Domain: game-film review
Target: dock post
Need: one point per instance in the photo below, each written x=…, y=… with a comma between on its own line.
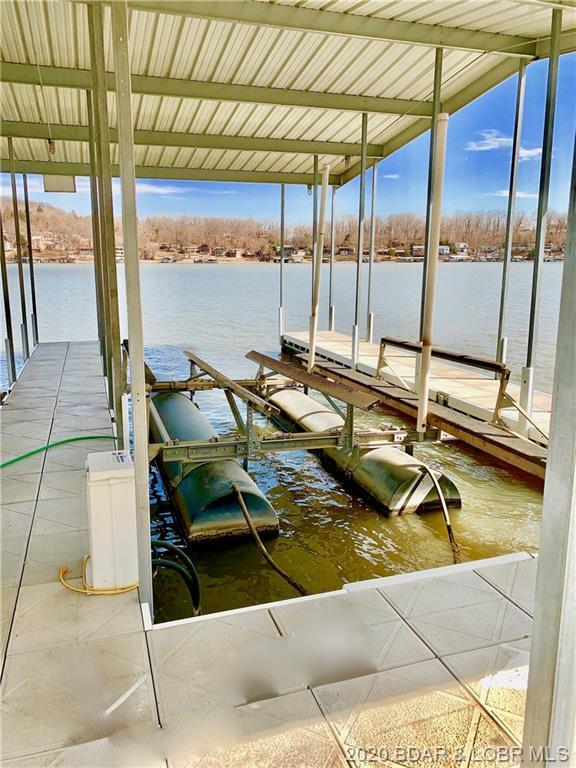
x=551, y=699
x=314, y=217
x=501, y=347
x=96, y=252
x=9, y=340
x=369, y=313
x=133, y=298
x=436, y=107
x=23, y=311
x=102, y=136
x=282, y=228
x=360, y=240
x=331, y=313
x=318, y=269
x=542, y=214
x=34, y=317
x=435, y=208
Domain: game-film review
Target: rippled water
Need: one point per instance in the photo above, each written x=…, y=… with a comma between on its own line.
x=328, y=534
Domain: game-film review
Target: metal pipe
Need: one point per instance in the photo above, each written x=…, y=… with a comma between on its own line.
x=360, y=239
x=369, y=313
x=436, y=107
x=95, y=23
x=551, y=697
x=30, y=261
x=314, y=214
x=544, y=188
x=318, y=269
x=133, y=300
x=331, y=317
x=95, y=227
x=435, y=206
x=23, y=311
x=282, y=233
x=501, y=341
x=9, y=341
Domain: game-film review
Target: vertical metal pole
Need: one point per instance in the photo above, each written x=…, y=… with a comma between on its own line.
x=502, y=341
x=9, y=341
x=24, y=323
x=360, y=240
x=282, y=232
x=331, y=317
x=551, y=700
x=95, y=228
x=542, y=215
x=318, y=269
x=314, y=216
x=435, y=207
x=369, y=313
x=133, y=299
x=436, y=107
x=106, y=207
x=30, y=261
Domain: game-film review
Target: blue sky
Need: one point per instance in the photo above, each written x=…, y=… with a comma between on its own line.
x=477, y=166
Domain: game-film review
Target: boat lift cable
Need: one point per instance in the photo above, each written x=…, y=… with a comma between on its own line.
x=286, y=576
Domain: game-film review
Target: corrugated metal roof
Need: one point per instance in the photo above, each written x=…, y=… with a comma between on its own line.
x=227, y=52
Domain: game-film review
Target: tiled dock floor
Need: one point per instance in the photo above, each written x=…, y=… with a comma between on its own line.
x=469, y=391
x=433, y=660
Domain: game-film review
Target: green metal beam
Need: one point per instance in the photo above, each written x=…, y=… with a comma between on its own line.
x=24, y=130
x=160, y=172
x=63, y=77
x=346, y=24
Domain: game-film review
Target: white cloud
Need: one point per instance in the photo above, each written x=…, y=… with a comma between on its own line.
x=493, y=139
x=391, y=176
x=520, y=195
x=529, y=154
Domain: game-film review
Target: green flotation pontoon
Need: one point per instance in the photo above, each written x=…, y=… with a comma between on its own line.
x=205, y=499
x=397, y=482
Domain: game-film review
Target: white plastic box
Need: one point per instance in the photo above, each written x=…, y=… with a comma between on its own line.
x=111, y=520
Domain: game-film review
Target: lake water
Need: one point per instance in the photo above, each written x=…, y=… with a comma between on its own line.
x=329, y=535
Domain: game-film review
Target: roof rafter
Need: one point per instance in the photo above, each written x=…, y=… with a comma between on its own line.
x=63, y=77
x=159, y=172
x=23, y=130
x=347, y=24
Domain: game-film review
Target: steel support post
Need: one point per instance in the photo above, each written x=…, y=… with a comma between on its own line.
x=369, y=313
x=282, y=237
x=435, y=207
x=102, y=135
x=9, y=340
x=542, y=214
x=133, y=297
x=436, y=107
x=331, y=309
x=360, y=240
x=23, y=311
x=550, y=716
x=318, y=269
x=314, y=217
x=96, y=251
x=502, y=340
x=34, y=317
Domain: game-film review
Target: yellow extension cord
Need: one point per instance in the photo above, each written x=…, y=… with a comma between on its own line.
x=87, y=590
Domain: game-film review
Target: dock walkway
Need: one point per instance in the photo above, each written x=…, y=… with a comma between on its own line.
x=429, y=660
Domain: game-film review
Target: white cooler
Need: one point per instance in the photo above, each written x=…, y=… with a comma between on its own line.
x=111, y=520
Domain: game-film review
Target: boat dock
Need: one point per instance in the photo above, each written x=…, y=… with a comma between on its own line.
x=462, y=401
x=88, y=680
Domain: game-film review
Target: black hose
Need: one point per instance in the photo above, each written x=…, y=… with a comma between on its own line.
x=187, y=571
x=179, y=552
x=453, y=544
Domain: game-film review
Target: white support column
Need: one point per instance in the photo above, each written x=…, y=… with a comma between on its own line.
x=23, y=311
x=314, y=219
x=133, y=300
x=281, y=288
x=542, y=215
x=435, y=207
x=550, y=719
x=331, y=310
x=360, y=241
x=369, y=313
x=318, y=269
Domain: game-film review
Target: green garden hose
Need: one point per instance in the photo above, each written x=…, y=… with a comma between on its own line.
x=53, y=445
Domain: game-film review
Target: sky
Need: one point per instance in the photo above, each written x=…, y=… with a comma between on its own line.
x=477, y=166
